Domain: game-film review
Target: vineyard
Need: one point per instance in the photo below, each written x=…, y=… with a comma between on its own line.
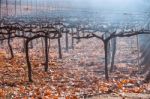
x=53, y=49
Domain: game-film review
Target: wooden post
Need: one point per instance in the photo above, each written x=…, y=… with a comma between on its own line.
x=106, y=58
x=15, y=8
x=28, y=61
x=20, y=8
x=138, y=53
x=113, y=54
x=59, y=48
x=72, y=39
x=9, y=45
x=0, y=9
x=6, y=7
x=66, y=41
x=46, y=53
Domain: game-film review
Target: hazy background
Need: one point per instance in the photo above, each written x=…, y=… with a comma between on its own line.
x=126, y=5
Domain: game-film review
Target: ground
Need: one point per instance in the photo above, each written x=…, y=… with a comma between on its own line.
x=79, y=75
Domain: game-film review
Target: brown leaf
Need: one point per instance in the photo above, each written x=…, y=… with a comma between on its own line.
x=2, y=93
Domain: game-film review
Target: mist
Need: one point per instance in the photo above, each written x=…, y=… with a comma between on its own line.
x=126, y=5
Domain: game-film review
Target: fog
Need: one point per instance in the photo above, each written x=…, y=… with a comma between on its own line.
x=100, y=4
x=130, y=5
x=112, y=10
